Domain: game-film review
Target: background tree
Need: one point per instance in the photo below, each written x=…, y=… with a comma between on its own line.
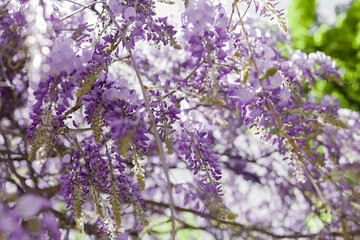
x=340, y=41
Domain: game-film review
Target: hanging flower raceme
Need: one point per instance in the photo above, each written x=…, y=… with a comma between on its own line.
x=95, y=145
x=192, y=145
x=97, y=171
x=205, y=29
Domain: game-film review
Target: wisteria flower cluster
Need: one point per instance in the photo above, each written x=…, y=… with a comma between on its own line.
x=119, y=124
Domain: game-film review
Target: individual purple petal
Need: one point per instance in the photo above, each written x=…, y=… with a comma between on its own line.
x=246, y=94
x=66, y=159
x=29, y=205
x=111, y=94
x=7, y=223
x=123, y=236
x=129, y=12
x=115, y=7
x=285, y=94
x=50, y=222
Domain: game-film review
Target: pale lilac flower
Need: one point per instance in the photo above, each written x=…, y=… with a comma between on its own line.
x=63, y=57
x=66, y=159
x=246, y=94
x=29, y=205
x=285, y=94
x=7, y=223
x=115, y=6
x=129, y=13
x=123, y=236
x=111, y=94
x=273, y=82
x=50, y=222
x=124, y=94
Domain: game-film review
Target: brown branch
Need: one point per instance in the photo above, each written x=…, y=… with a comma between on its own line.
x=78, y=129
x=248, y=227
x=9, y=132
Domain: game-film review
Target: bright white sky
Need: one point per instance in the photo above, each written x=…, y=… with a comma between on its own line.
x=325, y=9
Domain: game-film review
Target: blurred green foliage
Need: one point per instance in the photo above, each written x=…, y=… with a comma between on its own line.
x=341, y=42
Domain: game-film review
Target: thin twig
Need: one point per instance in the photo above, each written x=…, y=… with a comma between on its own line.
x=79, y=10
x=152, y=121
x=78, y=129
x=343, y=220
x=231, y=15
x=195, y=69
x=7, y=82
x=232, y=29
x=355, y=83
x=4, y=131
x=168, y=94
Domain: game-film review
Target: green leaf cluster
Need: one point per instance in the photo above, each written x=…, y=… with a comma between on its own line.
x=341, y=42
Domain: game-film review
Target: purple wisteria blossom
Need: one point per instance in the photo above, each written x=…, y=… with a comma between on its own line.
x=134, y=127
